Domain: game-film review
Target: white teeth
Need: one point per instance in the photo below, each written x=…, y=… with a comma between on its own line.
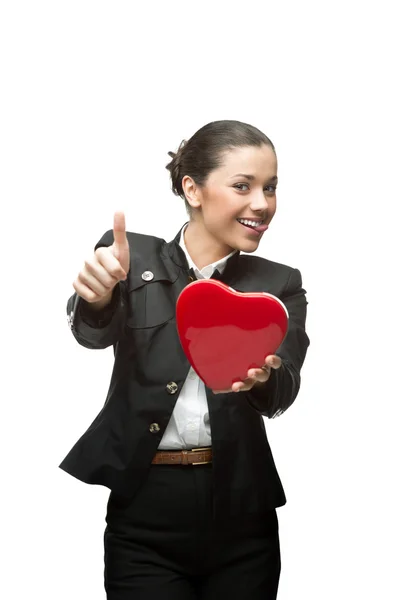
x=250, y=223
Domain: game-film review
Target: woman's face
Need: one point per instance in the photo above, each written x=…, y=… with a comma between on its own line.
x=238, y=200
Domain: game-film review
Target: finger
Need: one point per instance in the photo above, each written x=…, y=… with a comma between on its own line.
x=120, y=229
x=259, y=374
x=85, y=292
x=254, y=376
x=111, y=265
x=100, y=285
x=273, y=361
x=120, y=248
x=243, y=386
x=239, y=386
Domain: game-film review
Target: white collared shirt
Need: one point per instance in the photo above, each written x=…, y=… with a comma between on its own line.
x=189, y=425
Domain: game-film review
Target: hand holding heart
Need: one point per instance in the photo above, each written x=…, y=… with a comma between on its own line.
x=255, y=376
x=227, y=334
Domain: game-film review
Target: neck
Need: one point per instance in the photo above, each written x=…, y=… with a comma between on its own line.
x=203, y=248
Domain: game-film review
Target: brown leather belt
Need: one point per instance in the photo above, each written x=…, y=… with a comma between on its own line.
x=197, y=456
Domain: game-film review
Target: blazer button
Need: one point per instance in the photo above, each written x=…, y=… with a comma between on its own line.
x=172, y=387
x=147, y=276
x=154, y=428
x=190, y=279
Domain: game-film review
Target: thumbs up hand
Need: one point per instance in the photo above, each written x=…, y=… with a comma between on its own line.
x=103, y=271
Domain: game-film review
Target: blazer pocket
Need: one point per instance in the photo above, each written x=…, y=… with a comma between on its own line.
x=150, y=303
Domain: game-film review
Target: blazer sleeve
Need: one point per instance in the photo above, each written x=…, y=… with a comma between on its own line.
x=279, y=392
x=99, y=329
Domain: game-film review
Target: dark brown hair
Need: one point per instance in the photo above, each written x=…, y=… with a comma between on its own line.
x=205, y=150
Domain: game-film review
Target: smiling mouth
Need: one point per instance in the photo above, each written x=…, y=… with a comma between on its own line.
x=251, y=223
x=256, y=227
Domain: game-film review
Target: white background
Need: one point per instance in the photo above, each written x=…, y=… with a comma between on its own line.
x=93, y=96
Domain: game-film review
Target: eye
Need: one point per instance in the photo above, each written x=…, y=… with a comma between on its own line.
x=270, y=188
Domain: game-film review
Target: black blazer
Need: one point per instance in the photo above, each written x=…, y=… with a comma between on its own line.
x=117, y=449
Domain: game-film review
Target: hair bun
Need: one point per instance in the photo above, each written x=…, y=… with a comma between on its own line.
x=176, y=158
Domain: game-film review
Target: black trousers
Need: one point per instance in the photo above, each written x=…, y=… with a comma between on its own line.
x=164, y=544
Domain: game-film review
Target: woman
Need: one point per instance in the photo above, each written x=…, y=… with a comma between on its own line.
x=194, y=488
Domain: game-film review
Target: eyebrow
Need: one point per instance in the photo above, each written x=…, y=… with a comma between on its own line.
x=252, y=177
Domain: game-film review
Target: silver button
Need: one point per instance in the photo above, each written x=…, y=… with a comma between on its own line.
x=172, y=387
x=147, y=276
x=154, y=428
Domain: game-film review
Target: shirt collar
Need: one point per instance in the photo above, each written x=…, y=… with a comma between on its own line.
x=208, y=270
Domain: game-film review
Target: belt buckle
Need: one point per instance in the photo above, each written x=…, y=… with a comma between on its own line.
x=205, y=462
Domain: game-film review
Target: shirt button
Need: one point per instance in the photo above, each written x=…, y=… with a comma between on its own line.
x=192, y=374
x=154, y=428
x=147, y=276
x=172, y=387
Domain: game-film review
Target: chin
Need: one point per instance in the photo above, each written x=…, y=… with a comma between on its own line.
x=248, y=246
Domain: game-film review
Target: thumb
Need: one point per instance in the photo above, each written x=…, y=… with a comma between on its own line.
x=120, y=238
x=120, y=247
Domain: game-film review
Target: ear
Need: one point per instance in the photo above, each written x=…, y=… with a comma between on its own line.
x=191, y=191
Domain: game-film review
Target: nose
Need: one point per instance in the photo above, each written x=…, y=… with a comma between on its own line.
x=259, y=202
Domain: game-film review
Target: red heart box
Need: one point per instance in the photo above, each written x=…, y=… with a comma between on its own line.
x=225, y=333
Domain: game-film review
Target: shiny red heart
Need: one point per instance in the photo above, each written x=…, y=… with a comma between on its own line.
x=225, y=333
